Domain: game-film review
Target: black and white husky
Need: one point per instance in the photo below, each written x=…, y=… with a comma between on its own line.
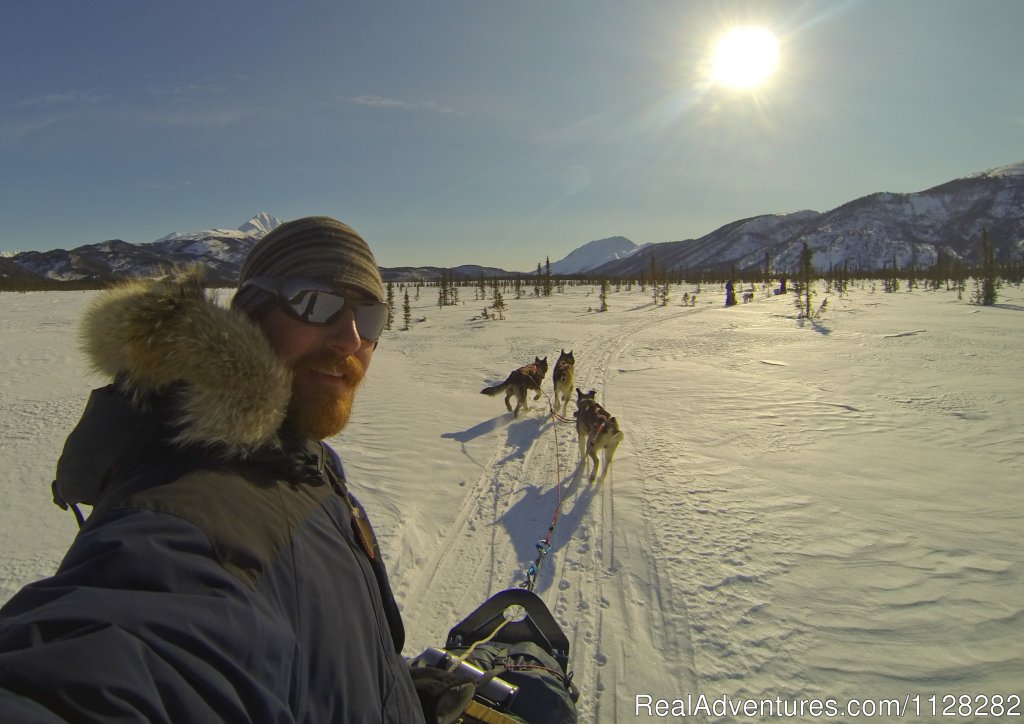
x=598, y=432
x=519, y=383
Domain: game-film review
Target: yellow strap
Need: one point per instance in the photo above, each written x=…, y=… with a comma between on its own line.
x=462, y=659
x=477, y=712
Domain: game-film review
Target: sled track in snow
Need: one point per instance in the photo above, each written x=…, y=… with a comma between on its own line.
x=606, y=661
x=509, y=508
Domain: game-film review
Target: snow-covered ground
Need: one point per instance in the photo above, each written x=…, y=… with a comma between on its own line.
x=798, y=511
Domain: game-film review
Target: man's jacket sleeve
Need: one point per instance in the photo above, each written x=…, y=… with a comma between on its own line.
x=105, y=639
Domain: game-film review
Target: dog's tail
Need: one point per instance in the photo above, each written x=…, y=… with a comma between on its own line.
x=494, y=389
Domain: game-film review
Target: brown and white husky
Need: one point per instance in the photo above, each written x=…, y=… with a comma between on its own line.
x=519, y=383
x=563, y=377
x=598, y=432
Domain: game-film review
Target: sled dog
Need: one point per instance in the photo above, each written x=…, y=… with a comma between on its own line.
x=519, y=383
x=597, y=430
x=563, y=378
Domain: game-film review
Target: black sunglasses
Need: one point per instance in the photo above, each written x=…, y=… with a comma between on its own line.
x=317, y=303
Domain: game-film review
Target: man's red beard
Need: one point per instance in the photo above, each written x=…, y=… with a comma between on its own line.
x=321, y=408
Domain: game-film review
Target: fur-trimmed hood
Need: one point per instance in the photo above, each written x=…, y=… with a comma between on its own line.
x=232, y=388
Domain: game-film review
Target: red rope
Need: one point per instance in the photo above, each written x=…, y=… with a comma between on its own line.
x=545, y=545
x=558, y=477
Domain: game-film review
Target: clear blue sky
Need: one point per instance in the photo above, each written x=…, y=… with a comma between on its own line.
x=481, y=131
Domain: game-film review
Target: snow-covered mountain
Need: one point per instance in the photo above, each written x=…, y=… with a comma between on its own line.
x=260, y=225
x=869, y=233
x=221, y=251
x=257, y=227
x=593, y=254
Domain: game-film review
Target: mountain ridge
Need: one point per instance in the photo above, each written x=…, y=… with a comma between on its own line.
x=870, y=233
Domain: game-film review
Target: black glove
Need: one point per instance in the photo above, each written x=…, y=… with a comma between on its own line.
x=443, y=695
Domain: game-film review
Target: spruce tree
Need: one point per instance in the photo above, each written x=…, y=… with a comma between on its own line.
x=499, y=302
x=453, y=289
x=805, y=275
x=391, y=305
x=654, y=279
x=443, y=295
x=987, y=284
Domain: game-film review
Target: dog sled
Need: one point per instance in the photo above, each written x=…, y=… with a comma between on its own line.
x=514, y=658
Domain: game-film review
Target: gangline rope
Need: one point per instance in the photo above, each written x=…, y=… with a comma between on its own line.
x=544, y=545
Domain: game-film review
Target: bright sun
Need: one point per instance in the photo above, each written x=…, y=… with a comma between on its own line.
x=745, y=57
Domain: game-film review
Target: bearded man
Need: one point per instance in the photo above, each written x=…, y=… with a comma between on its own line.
x=225, y=573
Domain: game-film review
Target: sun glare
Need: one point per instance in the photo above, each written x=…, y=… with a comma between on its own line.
x=745, y=57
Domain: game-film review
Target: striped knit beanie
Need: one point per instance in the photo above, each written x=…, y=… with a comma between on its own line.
x=316, y=247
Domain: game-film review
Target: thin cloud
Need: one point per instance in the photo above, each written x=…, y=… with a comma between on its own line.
x=168, y=185
x=53, y=100
x=187, y=92
x=379, y=102
x=382, y=102
x=13, y=134
x=209, y=118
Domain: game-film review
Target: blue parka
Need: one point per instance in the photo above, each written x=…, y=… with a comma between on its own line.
x=217, y=578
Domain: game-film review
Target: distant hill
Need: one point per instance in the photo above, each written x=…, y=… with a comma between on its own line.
x=466, y=272
x=594, y=254
x=221, y=251
x=870, y=233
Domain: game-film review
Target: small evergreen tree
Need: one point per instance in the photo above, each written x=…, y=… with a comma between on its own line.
x=453, y=289
x=604, y=296
x=803, y=287
x=656, y=290
x=499, y=302
x=391, y=305
x=986, y=292
x=407, y=311
x=442, y=291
